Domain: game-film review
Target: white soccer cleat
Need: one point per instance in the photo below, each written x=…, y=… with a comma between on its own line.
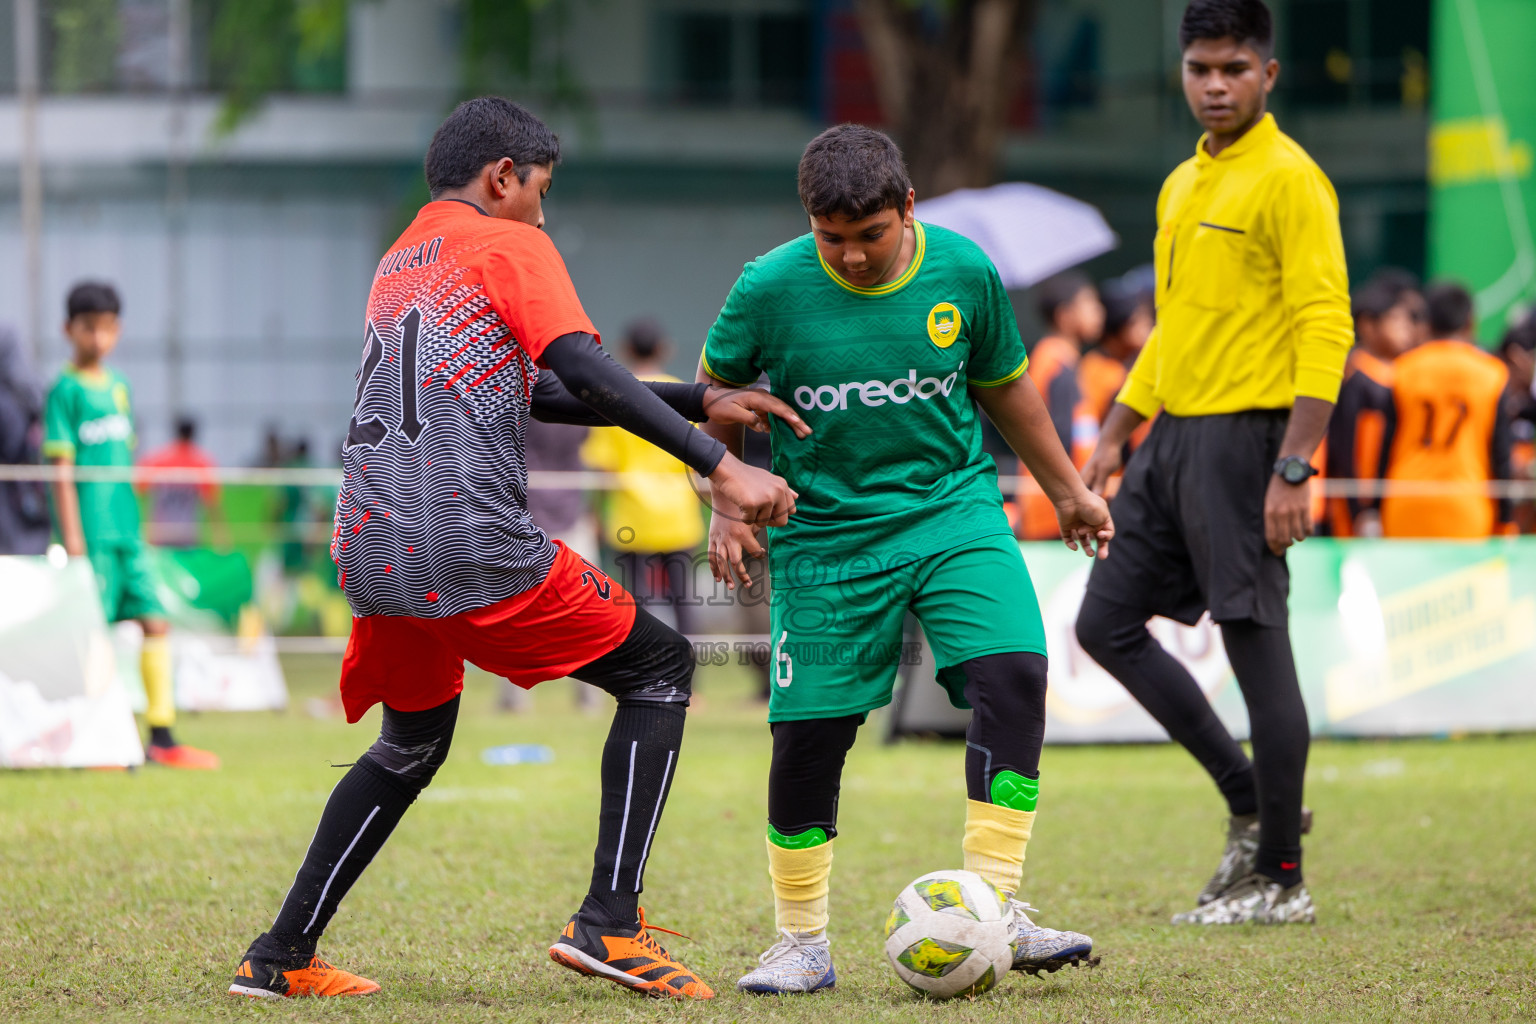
x=795, y=964
x=1039, y=949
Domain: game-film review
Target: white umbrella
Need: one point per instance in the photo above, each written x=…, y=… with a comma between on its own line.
x=1029, y=232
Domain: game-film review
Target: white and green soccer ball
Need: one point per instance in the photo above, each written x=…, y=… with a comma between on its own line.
x=950, y=934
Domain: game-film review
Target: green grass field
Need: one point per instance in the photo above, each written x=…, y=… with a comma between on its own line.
x=132, y=895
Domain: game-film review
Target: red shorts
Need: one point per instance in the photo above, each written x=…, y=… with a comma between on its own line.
x=577, y=615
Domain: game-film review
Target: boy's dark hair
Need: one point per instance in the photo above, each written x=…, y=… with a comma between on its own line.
x=852, y=171
x=1121, y=302
x=1450, y=309
x=186, y=428
x=1055, y=292
x=644, y=338
x=1382, y=291
x=482, y=131
x=1248, y=22
x=1521, y=335
x=92, y=297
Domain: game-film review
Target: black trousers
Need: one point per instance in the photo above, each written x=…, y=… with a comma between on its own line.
x=1189, y=521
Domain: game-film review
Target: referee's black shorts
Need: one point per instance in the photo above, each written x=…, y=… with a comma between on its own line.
x=1189, y=522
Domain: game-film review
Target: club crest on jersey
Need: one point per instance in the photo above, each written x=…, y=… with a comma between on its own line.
x=943, y=324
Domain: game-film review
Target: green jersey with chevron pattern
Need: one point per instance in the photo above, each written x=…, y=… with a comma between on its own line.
x=894, y=470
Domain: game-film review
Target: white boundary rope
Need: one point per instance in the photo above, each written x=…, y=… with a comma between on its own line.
x=587, y=480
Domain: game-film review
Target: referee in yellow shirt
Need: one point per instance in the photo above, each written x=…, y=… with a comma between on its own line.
x=1245, y=365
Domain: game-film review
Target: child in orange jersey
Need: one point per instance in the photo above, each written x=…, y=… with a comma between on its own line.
x=1446, y=425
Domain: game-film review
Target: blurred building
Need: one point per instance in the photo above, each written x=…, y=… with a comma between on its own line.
x=245, y=257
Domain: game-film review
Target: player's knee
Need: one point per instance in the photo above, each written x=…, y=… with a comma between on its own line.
x=679, y=663
x=1010, y=684
x=667, y=677
x=412, y=746
x=1104, y=629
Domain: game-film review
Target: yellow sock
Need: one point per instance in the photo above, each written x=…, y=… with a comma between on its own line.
x=995, y=838
x=800, y=885
x=155, y=667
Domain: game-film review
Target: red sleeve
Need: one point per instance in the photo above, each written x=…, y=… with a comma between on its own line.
x=527, y=283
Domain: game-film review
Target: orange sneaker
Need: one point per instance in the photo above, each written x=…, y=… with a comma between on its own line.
x=261, y=979
x=626, y=956
x=182, y=756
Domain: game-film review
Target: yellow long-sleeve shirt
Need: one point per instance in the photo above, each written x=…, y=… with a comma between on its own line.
x=1252, y=291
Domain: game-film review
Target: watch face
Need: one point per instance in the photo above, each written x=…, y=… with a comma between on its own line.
x=1295, y=472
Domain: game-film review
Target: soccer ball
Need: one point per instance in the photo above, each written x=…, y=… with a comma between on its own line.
x=950, y=934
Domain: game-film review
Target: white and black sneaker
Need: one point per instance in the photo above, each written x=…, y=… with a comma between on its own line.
x=1240, y=855
x=1255, y=899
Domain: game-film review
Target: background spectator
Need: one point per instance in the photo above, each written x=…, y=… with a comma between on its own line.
x=1518, y=351
x=652, y=522
x=1070, y=307
x=1389, y=320
x=176, y=509
x=1446, y=425
x=24, y=519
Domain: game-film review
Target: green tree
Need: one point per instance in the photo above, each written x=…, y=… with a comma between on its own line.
x=82, y=44
x=260, y=47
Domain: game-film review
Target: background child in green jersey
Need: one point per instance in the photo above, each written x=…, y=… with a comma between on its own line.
x=887, y=334
x=89, y=422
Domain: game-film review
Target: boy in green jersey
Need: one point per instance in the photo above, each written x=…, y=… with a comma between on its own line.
x=89, y=422
x=886, y=333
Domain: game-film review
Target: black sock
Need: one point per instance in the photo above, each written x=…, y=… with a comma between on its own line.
x=1115, y=636
x=1266, y=672
x=362, y=811
x=160, y=736
x=639, y=761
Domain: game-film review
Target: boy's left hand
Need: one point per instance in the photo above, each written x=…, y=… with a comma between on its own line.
x=1085, y=523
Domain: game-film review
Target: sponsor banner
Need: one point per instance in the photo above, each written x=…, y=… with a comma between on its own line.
x=211, y=671
x=61, y=704
x=207, y=596
x=1391, y=638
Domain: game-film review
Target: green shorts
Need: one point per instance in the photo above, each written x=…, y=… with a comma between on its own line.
x=835, y=647
x=125, y=581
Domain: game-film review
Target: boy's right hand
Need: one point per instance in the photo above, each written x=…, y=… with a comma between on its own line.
x=1101, y=465
x=751, y=408
x=762, y=498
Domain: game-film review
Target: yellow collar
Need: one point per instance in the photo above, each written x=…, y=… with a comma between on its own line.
x=98, y=377
x=890, y=286
x=1254, y=137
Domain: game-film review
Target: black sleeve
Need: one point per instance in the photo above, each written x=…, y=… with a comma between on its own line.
x=552, y=403
x=593, y=379
x=1503, y=443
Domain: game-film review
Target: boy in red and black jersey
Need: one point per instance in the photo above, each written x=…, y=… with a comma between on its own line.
x=474, y=326
x=1389, y=320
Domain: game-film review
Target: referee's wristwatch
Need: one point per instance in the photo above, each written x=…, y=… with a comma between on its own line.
x=1294, y=470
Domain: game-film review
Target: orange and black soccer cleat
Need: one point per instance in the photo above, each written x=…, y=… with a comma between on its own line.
x=261, y=979
x=626, y=956
x=181, y=756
